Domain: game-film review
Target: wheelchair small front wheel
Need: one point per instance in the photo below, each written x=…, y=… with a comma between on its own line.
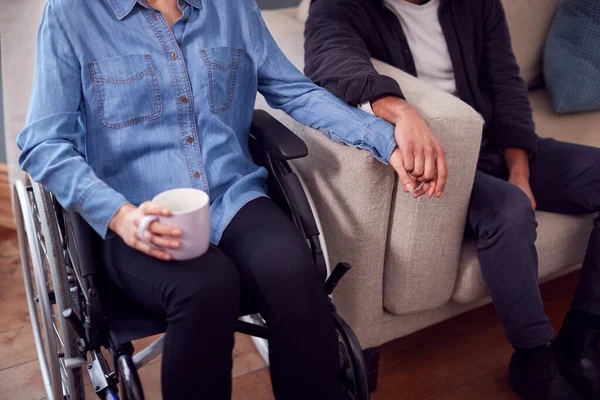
x=353, y=372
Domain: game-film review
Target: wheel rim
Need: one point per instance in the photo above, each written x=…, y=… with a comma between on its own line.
x=347, y=370
x=352, y=369
x=30, y=260
x=51, y=252
x=39, y=251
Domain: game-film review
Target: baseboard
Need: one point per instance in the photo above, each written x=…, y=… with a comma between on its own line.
x=6, y=214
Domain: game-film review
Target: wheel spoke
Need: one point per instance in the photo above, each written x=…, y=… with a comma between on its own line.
x=57, y=334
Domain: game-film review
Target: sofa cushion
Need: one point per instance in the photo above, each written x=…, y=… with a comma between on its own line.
x=303, y=10
x=561, y=243
x=290, y=12
x=572, y=57
x=529, y=22
x=577, y=128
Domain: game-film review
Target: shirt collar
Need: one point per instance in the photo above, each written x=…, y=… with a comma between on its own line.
x=122, y=8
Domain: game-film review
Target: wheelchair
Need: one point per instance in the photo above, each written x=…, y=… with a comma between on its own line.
x=79, y=328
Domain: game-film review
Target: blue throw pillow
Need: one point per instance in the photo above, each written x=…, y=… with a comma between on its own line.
x=572, y=57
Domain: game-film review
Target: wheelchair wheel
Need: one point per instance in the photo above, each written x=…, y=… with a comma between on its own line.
x=353, y=372
x=47, y=291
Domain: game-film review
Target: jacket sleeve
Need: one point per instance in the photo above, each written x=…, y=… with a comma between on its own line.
x=337, y=57
x=287, y=89
x=512, y=124
x=49, y=141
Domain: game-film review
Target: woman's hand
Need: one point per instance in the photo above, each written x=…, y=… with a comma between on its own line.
x=126, y=221
x=419, y=152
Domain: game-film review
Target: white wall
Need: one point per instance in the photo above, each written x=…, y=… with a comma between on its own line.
x=19, y=20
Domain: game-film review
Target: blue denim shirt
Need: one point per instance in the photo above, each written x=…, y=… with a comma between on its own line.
x=123, y=107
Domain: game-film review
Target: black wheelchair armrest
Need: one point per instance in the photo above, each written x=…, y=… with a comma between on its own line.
x=278, y=140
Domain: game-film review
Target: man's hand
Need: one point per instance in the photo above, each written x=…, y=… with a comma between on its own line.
x=517, y=162
x=523, y=184
x=125, y=224
x=420, y=152
x=410, y=183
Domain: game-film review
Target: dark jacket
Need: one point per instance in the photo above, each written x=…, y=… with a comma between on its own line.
x=342, y=35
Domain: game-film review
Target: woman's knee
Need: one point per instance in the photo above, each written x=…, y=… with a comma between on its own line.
x=293, y=292
x=290, y=268
x=210, y=284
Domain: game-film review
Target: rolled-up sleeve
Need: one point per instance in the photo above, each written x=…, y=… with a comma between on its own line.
x=285, y=87
x=49, y=141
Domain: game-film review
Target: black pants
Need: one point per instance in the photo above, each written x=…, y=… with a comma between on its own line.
x=262, y=264
x=565, y=178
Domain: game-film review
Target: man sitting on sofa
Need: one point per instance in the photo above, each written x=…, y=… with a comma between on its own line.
x=463, y=47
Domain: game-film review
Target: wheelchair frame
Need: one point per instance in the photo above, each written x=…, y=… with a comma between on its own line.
x=60, y=274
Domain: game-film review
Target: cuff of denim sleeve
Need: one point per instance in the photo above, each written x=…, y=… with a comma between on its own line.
x=380, y=137
x=98, y=206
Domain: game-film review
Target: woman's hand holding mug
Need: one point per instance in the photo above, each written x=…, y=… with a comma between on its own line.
x=126, y=224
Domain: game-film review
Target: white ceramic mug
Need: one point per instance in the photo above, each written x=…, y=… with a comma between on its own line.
x=190, y=212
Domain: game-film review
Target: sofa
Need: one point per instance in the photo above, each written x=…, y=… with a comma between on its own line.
x=412, y=265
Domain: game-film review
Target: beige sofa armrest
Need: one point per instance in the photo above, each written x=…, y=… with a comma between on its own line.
x=367, y=222
x=426, y=235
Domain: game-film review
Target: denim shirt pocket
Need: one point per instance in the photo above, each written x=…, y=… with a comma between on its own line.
x=126, y=89
x=222, y=64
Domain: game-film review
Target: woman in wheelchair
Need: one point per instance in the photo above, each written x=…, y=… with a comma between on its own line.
x=133, y=98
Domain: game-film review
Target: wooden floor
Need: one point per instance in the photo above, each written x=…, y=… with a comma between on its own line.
x=465, y=358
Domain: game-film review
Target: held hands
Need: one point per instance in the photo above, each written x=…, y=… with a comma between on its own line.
x=126, y=222
x=419, y=158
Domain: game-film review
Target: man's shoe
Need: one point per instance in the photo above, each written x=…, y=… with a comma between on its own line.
x=578, y=356
x=534, y=374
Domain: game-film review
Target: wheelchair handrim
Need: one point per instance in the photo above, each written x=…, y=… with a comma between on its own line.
x=29, y=259
x=58, y=380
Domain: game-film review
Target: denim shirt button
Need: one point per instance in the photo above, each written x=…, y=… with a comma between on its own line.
x=190, y=139
x=174, y=56
x=197, y=174
x=184, y=100
x=181, y=3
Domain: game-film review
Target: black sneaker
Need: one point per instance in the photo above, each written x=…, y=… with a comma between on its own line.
x=578, y=356
x=534, y=374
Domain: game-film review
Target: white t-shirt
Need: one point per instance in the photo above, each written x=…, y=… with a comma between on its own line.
x=427, y=43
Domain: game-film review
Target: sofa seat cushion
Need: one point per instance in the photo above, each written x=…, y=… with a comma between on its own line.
x=583, y=128
x=561, y=243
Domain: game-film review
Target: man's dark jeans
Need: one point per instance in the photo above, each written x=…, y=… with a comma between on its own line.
x=565, y=178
